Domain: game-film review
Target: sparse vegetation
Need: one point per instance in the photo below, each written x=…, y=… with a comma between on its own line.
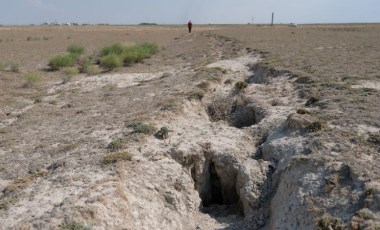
x=71, y=71
x=128, y=54
x=68, y=73
x=68, y=147
x=15, y=67
x=68, y=60
x=6, y=203
x=195, y=95
x=84, y=64
x=117, y=156
x=327, y=222
x=137, y=53
x=168, y=104
x=111, y=61
x=163, y=133
x=220, y=108
x=336, y=85
x=32, y=78
x=139, y=127
x=75, y=49
x=116, y=49
x=326, y=64
x=117, y=144
x=73, y=225
x=205, y=85
x=365, y=213
x=18, y=183
x=92, y=70
x=37, y=98
x=2, y=67
x=60, y=61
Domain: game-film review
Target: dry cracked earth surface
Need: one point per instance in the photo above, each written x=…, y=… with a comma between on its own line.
x=232, y=127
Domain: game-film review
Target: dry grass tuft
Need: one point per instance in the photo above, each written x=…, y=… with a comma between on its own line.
x=327, y=222
x=117, y=144
x=117, y=156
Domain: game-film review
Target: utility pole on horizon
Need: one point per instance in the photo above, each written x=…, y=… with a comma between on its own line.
x=272, y=19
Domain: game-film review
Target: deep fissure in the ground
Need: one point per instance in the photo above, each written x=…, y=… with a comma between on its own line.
x=215, y=192
x=237, y=111
x=245, y=115
x=218, y=191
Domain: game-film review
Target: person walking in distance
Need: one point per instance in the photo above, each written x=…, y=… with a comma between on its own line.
x=190, y=26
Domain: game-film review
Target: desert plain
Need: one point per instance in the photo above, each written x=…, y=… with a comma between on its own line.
x=230, y=127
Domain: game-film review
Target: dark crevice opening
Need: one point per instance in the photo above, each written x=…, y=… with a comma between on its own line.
x=220, y=199
x=238, y=112
x=215, y=189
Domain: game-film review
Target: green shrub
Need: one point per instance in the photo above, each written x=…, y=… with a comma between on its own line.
x=111, y=61
x=32, y=78
x=150, y=47
x=117, y=49
x=60, y=61
x=130, y=58
x=118, y=156
x=128, y=54
x=138, y=53
x=75, y=49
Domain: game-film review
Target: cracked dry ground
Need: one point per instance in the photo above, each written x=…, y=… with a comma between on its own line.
x=241, y=152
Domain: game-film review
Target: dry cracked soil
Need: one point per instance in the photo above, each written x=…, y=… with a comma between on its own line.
x=231, y=127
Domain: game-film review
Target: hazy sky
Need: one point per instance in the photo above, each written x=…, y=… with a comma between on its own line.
x=180, y=11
